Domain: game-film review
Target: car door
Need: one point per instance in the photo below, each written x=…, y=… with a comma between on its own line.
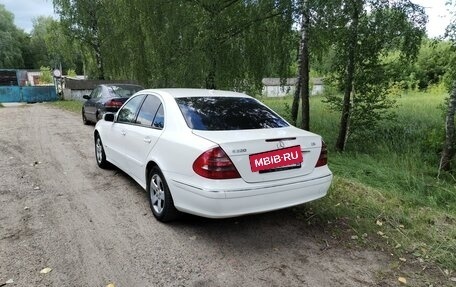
x=117, y=141
x=142, y=137
x=90, y=105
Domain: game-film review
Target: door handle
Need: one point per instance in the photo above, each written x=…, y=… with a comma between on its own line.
x=147, y=140
x=123, y=132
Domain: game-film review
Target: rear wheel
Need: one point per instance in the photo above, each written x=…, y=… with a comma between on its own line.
x=99, y=153
x=161, y=201
x=84, y=119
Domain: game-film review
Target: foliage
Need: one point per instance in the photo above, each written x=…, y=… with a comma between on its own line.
x=69, y=105
x=51, y=47
x=391, y=178
x=71, y=73
x=38, y=42
x=219, y=44
x=11, y=40
x=367, y=31
x=46, y=75
x=368, y=111
x=81, y=20
x=428, y=69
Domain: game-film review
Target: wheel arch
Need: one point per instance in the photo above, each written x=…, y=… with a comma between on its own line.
x=151, y=164
x=95, y=134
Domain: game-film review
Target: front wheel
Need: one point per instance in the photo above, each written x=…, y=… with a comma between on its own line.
x=100, y=153
x=160, y=199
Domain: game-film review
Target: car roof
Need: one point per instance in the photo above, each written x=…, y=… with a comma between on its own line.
x=185, y=93
x=117, y=85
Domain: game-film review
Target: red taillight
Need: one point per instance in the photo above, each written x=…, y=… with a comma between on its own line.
x=215, y=164
x=323, y=159
x=113, y=104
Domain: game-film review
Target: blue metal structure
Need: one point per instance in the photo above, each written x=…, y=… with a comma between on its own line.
x=13, y=90
x=39, y=94
x=10, y=94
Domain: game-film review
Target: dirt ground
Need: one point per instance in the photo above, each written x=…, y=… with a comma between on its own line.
x=94, y=227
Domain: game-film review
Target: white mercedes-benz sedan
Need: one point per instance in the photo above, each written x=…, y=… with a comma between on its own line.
x=212, y=153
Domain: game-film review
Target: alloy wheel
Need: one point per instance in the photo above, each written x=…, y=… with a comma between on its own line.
x=99, y=150
x=157, y=193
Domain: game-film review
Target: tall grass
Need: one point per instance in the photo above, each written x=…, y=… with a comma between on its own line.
x=392, y=174
x=400, y=156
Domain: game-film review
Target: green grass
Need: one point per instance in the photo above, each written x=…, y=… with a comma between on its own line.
x=390, y=177
x=69, y=105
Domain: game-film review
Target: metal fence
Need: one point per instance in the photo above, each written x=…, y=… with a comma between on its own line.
x=29, y=94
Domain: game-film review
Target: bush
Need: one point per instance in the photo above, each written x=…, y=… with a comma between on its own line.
x=46, y=75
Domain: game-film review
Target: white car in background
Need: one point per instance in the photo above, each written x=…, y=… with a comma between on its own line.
x=212, y=153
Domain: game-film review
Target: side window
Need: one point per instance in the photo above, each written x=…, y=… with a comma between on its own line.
x=159, y=120
x=95, y=93
x=128, y=112
x=148, y=111
x=98, y=93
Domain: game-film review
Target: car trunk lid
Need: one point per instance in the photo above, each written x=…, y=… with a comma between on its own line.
x=268, y=154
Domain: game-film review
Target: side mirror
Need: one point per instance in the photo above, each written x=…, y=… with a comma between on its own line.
x=109, y=117
x=87, y=97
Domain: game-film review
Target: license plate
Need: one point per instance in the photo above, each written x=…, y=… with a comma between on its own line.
x=276, y=158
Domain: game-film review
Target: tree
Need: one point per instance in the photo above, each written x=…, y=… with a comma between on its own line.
x=46, y=75
x=449, y=147
x=38, y=42
x=226, y=44
x=354, y=10
x=316, y=36
x=367, y=30
x=304, y=69
x=62, y=50
x=81, y=19
x=10, y=41
x=302, y=85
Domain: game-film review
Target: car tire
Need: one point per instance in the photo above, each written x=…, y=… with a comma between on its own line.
x=160, y=199
x=100, y=155
x=84, y=119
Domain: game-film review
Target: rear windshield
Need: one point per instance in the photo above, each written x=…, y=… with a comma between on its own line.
x=227, y=113
x=123, y=91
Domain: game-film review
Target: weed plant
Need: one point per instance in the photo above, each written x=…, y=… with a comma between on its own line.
x=69, y=105
x=390, y=176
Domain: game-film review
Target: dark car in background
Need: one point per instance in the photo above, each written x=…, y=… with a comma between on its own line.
x=106, y=98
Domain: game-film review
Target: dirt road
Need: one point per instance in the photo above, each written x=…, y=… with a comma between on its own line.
x=94, y=227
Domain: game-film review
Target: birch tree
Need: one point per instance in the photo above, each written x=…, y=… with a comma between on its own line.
x=303, y=81
x=449, y=147
x=367, y=29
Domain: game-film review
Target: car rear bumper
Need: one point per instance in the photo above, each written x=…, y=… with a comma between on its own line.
x=248, y=199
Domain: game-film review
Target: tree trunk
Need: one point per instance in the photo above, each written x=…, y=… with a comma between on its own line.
x=96, y=40
x=349, y=77
x=304, y=71
x=295, y=105
x=449, y=148
x=210, y=79
x=99, y=60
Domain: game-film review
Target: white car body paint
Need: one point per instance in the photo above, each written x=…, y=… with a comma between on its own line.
x=175, y=148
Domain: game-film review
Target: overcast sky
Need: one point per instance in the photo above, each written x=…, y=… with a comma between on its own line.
x=25, y=10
